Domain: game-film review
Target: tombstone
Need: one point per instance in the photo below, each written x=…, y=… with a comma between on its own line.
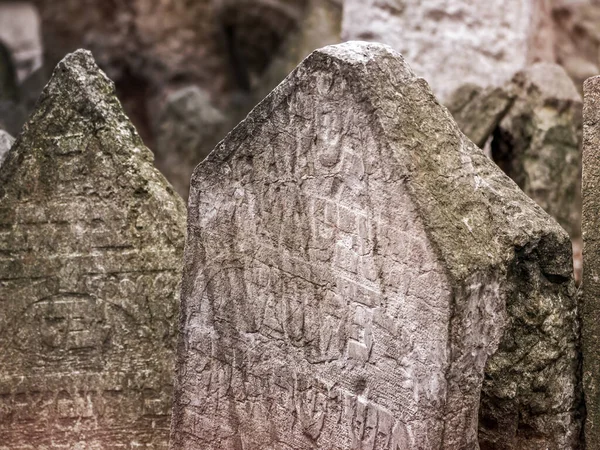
x=90, y=262
x=591, y=257
x=187, y=129
x=352, y=261
x=457, y=42
x=6, y=141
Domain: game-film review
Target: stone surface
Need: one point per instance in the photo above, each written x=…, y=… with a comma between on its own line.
x=591, y=257
x=538, y=142
x=478, y=110
x=20, y=33
x=6, y=141
x=352, y=261
x=188, y=128
x=577, y=41
x=453, y=42
x=92, y=239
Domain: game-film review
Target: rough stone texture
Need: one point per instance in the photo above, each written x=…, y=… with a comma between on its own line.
x=452, y=42
x=538, y=142
x=188, y=128
x=352, y=261
x=91, y=239
x=478, y=110
x=20, y=33
x=6, y=141
x=591, y=256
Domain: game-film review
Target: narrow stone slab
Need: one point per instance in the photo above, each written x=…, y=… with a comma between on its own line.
x=352, y=261
x=91, y=239
x=457, y=42
x=590, y=226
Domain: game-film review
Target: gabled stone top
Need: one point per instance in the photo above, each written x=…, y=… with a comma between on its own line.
x=476, y=215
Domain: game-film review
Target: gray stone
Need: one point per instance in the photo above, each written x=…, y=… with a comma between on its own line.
x=91, y=244
x=352, y=262
x=20, y=32
x=591, y=251
x=451, y=43
x=538, y=141
x=188, y=128
x=478, y=110
x=6, y=141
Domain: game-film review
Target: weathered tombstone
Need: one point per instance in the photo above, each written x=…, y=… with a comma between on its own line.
x=6, y=141
x=188, y=128
x=590, y=225
x=91, y=244
x=352, y=261
x=457, y=42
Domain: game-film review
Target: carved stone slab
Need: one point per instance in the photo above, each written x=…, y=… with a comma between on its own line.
x=590, y=225
x=455, y=42
x=352, y=261
x=91, y=238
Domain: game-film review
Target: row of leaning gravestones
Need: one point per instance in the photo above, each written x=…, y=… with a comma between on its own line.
x=357, y=275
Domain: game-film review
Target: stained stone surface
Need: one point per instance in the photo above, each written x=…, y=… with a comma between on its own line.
x=538, y=141
x=91, y=239
x=188, y=128
x=452, y=42
x=352, y=262
x=591, y=258
x=6, y=141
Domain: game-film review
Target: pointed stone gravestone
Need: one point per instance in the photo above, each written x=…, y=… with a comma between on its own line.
x=352, y=262
x=91, y=240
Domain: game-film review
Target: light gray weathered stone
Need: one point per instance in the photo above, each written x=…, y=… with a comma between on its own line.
x=452, y=42
x=352, y=262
